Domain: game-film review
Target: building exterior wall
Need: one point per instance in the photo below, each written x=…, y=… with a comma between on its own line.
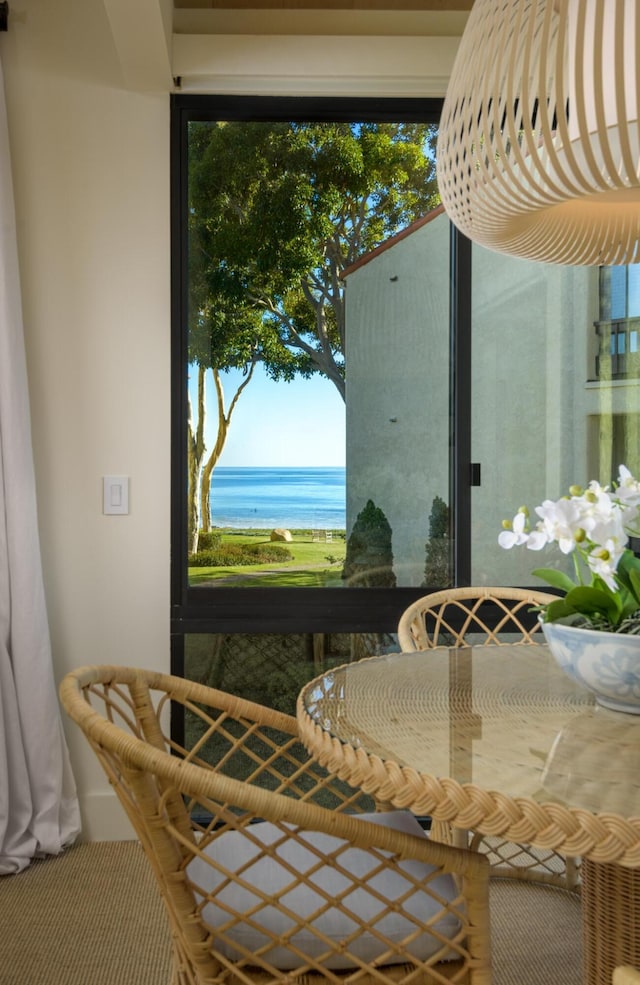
x=397, y=397
x=532, y=354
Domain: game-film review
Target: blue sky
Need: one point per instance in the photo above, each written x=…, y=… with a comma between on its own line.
x=295, y=424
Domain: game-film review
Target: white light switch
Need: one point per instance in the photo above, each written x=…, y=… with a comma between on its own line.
x=115, y=494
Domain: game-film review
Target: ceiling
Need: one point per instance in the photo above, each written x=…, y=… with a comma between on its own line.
x=341, y=47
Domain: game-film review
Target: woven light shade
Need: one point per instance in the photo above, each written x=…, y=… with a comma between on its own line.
x=539, y=146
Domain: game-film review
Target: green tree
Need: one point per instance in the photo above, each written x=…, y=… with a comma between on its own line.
x=438, y=566
x=277, y=211
x=369, y=561
x=225, y=332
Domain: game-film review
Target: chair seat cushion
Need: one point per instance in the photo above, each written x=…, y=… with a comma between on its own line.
x=309, y=900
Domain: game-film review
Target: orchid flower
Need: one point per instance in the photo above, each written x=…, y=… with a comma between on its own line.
x=603, y=561
x=515, y=532
x=594, y=525
x=628, y=488
x=560, y=522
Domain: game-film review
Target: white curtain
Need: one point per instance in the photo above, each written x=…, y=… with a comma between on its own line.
x=38, y=806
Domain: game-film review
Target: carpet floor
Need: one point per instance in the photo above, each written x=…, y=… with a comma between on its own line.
x=91, y=916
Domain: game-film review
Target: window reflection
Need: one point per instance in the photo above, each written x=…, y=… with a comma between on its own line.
x=556, y=392
x=618, y=323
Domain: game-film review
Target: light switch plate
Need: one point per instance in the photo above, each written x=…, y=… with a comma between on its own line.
x=115, y=494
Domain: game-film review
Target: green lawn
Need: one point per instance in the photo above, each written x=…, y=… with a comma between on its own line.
x=315, y=563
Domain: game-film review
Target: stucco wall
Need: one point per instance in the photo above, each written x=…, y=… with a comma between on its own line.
x=532, y=353
x=397, y=358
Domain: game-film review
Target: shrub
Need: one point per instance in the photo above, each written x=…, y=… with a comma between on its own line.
x=369, y=561
x=208, y=540
x=270, y=552
x=227, y=555
x=438, y=568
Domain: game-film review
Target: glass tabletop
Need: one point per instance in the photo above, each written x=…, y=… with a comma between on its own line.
x=504, y=718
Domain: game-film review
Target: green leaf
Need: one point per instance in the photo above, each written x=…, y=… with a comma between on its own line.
x=583, y=607
x=559, y=610
x=628, y=561
x=586, y=599
x=628, y=574
x=634, y=578
x=557, y=579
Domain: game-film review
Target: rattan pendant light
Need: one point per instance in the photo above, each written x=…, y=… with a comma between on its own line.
x=539, y=145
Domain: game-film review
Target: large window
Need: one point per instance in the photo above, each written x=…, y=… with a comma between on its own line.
x=465, y=382
x=458, y=384
x=311, y=360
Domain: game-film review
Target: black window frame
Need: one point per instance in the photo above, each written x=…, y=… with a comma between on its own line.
x=303, y=610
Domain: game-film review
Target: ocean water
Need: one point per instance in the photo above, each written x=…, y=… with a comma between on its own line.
x=279, y=497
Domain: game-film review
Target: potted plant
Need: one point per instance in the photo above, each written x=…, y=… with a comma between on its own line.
x=593, y=628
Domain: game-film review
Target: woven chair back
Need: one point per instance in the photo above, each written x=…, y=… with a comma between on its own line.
x=461, y=616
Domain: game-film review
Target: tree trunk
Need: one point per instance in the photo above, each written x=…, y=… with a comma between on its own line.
x=224, y=420
x=195, y=454
x=212, y=461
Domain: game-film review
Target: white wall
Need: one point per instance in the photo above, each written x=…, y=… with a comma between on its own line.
x=91, y=175
x=397, y=311
x=532, y=353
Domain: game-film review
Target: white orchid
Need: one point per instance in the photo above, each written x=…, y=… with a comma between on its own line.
x=594, y=525
x=628, y=488
x=595, y=505
x=515, y=532
x=603, y=561
x=560, y=522
x=537, y=540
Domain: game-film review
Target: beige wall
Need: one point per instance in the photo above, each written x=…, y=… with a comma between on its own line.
x=91, y=175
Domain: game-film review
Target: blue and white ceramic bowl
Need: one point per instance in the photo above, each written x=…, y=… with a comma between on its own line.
x=606, y=663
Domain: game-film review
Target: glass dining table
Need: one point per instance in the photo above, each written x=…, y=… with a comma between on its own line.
x=497, y=740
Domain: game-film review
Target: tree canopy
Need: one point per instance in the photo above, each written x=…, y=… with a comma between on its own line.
x=277, y=212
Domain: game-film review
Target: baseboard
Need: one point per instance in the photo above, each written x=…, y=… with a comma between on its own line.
x=104, y=819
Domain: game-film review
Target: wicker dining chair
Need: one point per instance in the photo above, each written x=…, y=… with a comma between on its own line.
x=625, y=975
x=487, y=616
x=460, y=616
x=266, y=871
